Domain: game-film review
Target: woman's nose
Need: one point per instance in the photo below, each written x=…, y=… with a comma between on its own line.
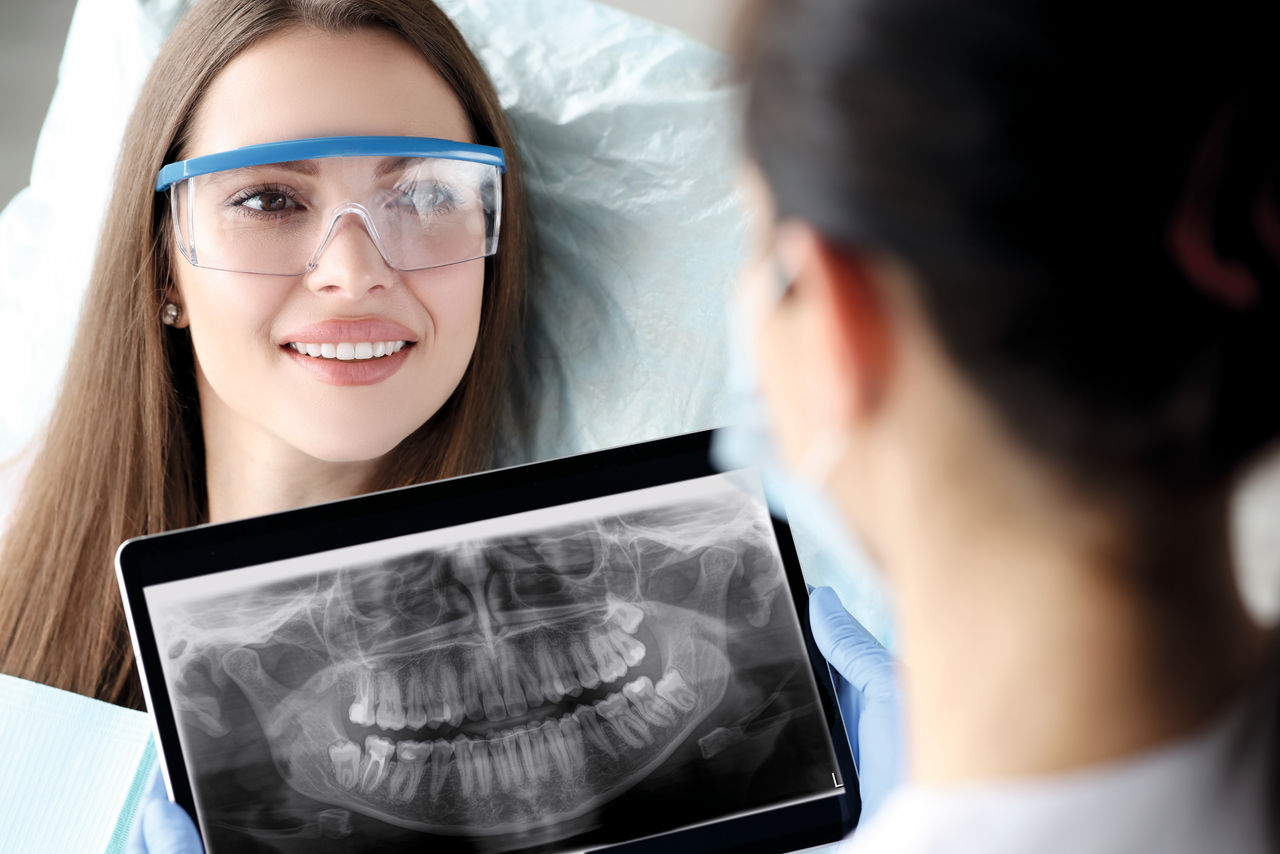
x=349, y=261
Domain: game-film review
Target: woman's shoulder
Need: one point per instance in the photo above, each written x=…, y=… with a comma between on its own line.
x=1211, y=791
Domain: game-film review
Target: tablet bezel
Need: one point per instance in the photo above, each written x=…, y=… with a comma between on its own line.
x=191, y=552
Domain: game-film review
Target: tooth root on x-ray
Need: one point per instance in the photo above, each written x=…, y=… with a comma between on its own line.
x=590, y=724
x=345, y=756
x=631, y=650
x=624, y=722
x=523, y=719
x=584, y=670
x=672, y=688
x=573, y=746
x=648, y=704
x=484, y=768
x=416, y=702
x=362, y=707
x=376, y=764
x=406, y=774
x=390, y=714
x=441, y=761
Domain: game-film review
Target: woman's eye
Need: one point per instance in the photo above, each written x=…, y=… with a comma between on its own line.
x=428, y=197
x=268, y=201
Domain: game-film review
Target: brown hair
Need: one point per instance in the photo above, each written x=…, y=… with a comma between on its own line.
x=123, y=454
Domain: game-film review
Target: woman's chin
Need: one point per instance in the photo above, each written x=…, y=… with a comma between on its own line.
x=344, y=450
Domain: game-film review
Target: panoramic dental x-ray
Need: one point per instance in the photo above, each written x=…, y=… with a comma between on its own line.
x=589, y=673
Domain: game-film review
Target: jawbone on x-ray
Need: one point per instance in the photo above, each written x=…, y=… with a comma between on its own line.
x=501, y=682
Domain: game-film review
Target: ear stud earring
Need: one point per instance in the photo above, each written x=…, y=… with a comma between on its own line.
x=170, y=313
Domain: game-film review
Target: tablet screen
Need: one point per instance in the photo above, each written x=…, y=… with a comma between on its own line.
x=566, y=677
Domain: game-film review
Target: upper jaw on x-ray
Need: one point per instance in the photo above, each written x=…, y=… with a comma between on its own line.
x=492, y=686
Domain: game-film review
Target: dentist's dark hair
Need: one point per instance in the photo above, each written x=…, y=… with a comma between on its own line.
x=1087, y=195
x=123, y=454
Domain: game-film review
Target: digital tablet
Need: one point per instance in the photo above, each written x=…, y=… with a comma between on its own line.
x=609, y=650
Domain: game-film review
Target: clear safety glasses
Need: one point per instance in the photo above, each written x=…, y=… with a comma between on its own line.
x=274, y=208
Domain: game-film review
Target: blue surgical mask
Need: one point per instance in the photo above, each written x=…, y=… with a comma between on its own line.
x=829, y=551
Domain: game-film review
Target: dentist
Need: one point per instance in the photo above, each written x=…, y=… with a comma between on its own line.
x=1018, y=315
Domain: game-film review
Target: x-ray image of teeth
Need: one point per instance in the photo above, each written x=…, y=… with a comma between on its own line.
x=553, y=680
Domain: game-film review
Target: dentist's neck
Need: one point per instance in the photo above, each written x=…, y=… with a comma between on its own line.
x=1040, y=634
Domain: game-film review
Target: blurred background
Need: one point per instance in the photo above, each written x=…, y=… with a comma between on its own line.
x=32, y=33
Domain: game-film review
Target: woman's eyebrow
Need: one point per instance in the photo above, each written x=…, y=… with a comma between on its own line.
x=392, y=164
x=304, y=167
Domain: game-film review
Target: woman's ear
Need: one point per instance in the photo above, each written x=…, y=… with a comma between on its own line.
x=841, y=291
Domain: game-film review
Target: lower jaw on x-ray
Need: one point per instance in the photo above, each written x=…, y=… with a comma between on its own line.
x=590, y=681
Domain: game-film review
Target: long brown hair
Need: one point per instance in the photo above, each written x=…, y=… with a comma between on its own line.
x=123, y=454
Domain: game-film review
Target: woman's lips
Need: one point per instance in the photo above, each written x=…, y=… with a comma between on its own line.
x=350, y=351
x=346, y=372
x=338, y=330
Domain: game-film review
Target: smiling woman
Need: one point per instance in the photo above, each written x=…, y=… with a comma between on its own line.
x=300, y=295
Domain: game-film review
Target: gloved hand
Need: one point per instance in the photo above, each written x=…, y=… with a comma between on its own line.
x=867, y=686
x=161, y=826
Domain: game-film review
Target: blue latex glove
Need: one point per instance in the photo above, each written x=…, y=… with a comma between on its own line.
x=161, y=826
x=867, y=685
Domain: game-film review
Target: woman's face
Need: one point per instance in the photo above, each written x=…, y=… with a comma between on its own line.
x=258, y=393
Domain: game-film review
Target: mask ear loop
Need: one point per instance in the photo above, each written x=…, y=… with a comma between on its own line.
x=822, y=457
x=829, y=448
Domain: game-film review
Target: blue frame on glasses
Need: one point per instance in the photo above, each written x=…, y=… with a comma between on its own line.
x=329, y=146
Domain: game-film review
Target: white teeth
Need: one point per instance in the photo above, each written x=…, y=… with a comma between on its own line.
x=346, y=763
x=348, y=351
x=375, y=767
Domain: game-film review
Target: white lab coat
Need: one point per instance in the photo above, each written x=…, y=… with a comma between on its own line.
x=1209, y=792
